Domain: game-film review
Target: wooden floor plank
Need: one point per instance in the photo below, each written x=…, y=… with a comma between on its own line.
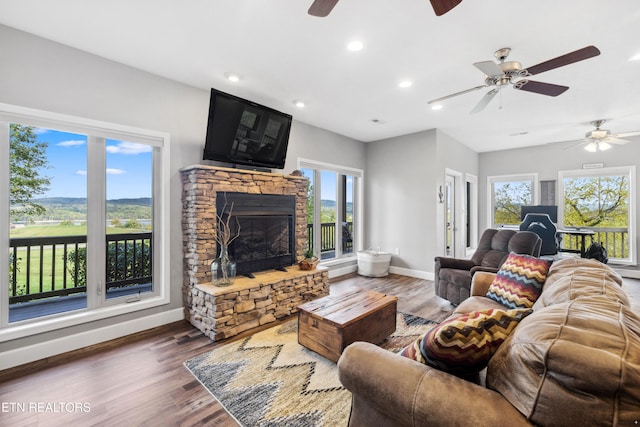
x=140, y=379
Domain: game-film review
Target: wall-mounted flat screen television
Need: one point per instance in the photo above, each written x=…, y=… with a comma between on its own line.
x=242, y=132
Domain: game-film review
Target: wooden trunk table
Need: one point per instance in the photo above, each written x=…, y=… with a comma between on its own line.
x=329, y=324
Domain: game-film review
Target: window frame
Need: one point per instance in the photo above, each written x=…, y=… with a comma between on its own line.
x=630, y=172
x=358, y=185
x=491, y=180
x=98, y=307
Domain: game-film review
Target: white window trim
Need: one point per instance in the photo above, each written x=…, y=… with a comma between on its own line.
x=506, y=178
x=161, y=174
x=358, y=175
x=472, y=180
x=618, y=170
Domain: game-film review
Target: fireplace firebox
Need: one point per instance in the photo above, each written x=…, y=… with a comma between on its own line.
x=267, y=230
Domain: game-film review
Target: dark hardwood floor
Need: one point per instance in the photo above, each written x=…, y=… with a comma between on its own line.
x=140, y=380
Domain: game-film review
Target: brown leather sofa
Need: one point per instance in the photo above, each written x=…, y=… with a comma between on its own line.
x=452, y=276
x=574, y=361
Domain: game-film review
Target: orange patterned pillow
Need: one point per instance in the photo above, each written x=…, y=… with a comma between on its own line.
x=518, y=283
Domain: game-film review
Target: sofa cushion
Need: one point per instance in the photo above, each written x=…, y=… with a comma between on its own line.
x=519, y=281
x=572, y=363
x=571, y=278
x=464, y=344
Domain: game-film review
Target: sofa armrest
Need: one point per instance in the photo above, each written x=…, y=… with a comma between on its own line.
x=458, y=263
x=394, y=390
x=480, y=283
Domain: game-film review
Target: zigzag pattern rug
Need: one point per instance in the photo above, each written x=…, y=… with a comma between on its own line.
x=268, y=379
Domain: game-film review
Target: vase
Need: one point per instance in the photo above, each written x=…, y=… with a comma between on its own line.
x=223, y=269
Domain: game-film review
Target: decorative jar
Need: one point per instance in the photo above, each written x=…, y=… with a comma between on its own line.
x=223, y=269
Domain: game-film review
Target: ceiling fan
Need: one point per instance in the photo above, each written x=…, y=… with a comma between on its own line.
x=511, y=73
x=601, y=139
x=322, y=8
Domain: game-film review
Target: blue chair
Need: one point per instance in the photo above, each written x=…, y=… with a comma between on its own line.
x=541, y=225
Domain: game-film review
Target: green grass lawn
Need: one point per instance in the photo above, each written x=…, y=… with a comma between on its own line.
x=44, y=260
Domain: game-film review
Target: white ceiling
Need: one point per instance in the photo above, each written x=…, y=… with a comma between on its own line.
x=283, y=54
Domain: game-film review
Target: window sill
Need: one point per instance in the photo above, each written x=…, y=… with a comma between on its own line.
x=42, y=324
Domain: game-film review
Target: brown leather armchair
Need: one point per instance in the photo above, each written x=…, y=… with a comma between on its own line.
x=452, y=276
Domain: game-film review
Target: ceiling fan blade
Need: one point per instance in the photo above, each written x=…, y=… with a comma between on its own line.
x=322, y=8
x=548, y=89
x=489, y=68
x=572, y=146
x=440, y=7
x=462, y=92
x=486, y=99
x=615, y=140
x=561, y=61
x=627, y=134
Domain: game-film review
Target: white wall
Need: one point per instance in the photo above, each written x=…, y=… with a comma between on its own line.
x=44, y=75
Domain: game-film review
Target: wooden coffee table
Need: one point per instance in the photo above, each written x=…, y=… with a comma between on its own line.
x=329, y=324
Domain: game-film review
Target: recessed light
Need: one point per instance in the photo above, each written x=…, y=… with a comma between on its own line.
x=405, y=84
x=232, y=77
x=298, y=103
x=635, y=57
x=355, y=46
x=436, y=107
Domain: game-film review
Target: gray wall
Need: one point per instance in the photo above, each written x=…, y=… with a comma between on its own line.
x=44, y=75
x=402, y=179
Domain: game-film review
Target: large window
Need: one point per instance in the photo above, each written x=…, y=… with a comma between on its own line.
x=601, y=200
x=507, y=194
x=85, y=207
x=333, y=209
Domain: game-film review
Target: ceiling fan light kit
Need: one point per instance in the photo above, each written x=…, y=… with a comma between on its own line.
x=601, y=139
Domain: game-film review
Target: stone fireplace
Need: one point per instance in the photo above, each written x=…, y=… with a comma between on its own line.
x=271, y=210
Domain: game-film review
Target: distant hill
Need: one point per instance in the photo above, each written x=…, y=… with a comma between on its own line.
x=47, y=201
x=75, y=208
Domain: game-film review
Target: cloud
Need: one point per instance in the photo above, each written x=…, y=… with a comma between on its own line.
x=110, y=171
x=71, y=143
x=124, y=147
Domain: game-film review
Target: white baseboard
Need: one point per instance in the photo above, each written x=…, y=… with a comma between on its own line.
x=418, y=274
x=61, y=345
x=341, y=271
x=631, y=274
x=337, y=272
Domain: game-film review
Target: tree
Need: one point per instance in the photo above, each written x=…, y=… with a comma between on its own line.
x=509, y=197
x=596, y=201
x=27, y=158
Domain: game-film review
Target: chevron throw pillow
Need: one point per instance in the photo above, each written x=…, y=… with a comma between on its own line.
x=518, y=283
x=465, y=343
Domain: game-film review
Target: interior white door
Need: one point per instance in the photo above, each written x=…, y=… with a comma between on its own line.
x=450, y=215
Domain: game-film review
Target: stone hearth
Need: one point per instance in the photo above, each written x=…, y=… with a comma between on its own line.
x=224, y=312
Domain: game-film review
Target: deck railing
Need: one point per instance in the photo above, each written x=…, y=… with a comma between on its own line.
x=44, y=267
x=615, y=240
x=328, y=237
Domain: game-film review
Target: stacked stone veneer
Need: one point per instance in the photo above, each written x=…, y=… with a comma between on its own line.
x=224, y=312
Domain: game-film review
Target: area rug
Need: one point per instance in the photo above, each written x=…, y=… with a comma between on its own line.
x=268, y=379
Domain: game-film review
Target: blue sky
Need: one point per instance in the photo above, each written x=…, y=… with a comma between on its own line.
x=128, y=166
x=328, y=187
